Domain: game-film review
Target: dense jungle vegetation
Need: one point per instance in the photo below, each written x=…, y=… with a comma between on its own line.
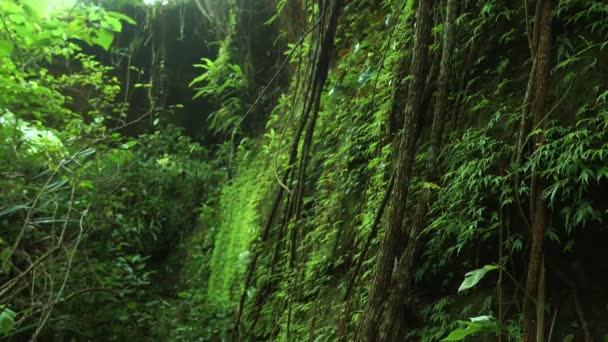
x=303, y=170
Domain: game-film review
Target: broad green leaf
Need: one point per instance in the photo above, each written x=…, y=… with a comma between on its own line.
x=474, y=326
x=472, y=278
x=104, y=38
x=112, y=24
x=459, y=334
x=17, y=18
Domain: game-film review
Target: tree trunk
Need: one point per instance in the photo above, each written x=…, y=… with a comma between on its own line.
x=402, y=278
x=538, y=208
x=407, y=151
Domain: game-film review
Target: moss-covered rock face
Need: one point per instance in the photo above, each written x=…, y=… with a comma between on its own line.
x=281, y=170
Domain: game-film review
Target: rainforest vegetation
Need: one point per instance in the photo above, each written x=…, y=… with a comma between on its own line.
x=304, y=170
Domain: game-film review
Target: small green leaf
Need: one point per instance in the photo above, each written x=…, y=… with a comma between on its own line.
x=7, y=320
x=430, y=186
x=366, y=76
x=87, y=184
x=251, y=292
x=129, y=144
x=5, y=254
x=6, y=47
x=244, y=258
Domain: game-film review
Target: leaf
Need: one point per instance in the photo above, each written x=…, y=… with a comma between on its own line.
x=199, y=79
x=7, y=320
x=472, y=278
x=6, y=47
x=123, y=17
x=87, y=184
x=430, y=186
x=129, y=144
x=5, y=254
x=244, y=258
x=366, y=76
x=13, y=209
x=251, y=292
x=475, y=325
x=104, y=38
x=459, y=334
x=112, y=24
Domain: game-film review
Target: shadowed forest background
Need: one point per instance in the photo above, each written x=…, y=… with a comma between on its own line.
x=303, y=170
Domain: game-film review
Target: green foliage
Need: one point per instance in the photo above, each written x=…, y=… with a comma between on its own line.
x=115, y=223
x=82, y=207
x=573, y=159
x=223, y=82
x=133, y=203
x=32, y=33
x=463, y=214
